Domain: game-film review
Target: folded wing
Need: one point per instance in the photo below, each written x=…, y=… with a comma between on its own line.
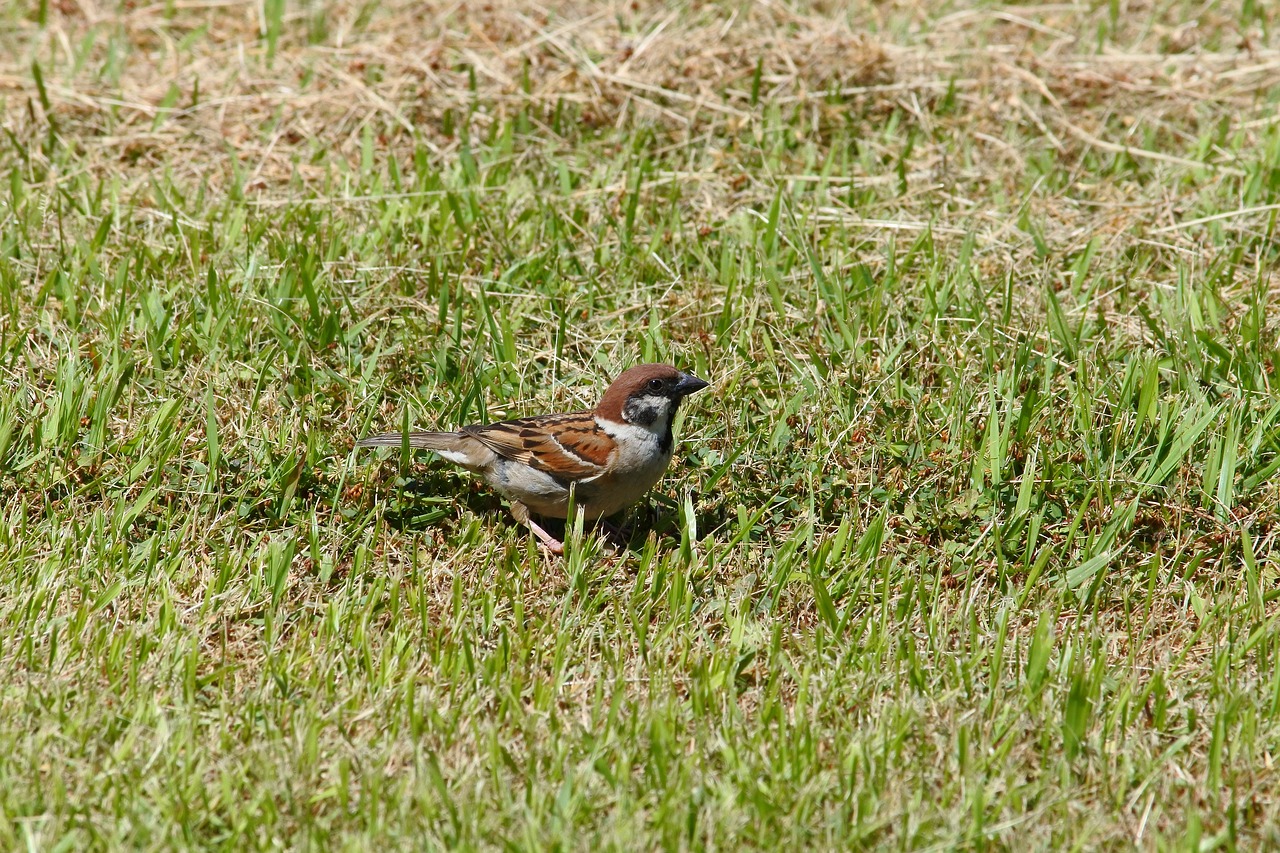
x=570, y=447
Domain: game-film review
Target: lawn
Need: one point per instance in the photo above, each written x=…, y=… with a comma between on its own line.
x=973, y=543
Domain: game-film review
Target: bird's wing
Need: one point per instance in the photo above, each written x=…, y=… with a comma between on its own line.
x=570, y=447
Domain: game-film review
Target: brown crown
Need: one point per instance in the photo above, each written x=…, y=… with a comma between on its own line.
x=630, y=382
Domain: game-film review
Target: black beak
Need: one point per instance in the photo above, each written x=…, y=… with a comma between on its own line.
x=688, y=384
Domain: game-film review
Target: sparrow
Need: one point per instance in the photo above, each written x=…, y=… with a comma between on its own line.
x=608, y=457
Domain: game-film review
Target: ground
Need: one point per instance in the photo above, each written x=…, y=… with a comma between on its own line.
x=972, y=543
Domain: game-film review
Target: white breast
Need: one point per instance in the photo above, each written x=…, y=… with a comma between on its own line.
x=641, y=462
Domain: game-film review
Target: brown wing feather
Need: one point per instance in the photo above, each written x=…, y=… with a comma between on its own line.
x=572, y=446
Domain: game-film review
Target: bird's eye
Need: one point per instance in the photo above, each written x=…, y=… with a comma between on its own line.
x=655, y=385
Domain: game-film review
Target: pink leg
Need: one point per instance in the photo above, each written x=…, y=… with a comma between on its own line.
x=545, y=539
x=521, y=514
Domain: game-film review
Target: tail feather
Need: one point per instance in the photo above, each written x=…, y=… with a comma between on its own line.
x=424, y=440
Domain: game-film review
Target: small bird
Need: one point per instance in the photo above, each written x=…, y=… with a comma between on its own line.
x=608, y=457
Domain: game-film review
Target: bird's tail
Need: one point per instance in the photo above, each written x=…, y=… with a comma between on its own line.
x=424, y=440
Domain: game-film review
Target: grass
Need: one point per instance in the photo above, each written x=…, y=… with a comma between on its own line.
x=973, y=543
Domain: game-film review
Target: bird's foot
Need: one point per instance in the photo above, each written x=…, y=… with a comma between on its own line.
x=615, y=537
x=550, y=543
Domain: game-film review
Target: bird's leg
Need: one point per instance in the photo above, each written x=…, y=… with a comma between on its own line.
x=617, y=536
x=545, y=539
x=521, y=514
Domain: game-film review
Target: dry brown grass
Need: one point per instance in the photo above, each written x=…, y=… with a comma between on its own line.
x=1027, y=81
x=192, y=89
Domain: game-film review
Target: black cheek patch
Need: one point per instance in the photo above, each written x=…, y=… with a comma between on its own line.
x=643, y=411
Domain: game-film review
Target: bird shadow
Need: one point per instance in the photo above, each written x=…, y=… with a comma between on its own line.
x=660, y=517
x=663, y=518
x=421, y=503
